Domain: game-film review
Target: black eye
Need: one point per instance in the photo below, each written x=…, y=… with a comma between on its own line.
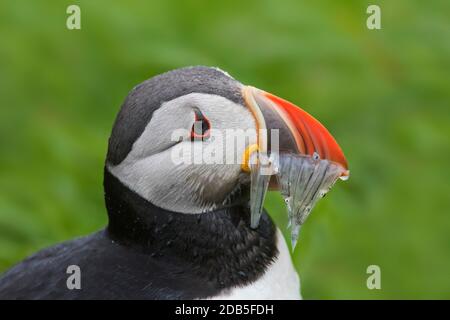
x=201, y=127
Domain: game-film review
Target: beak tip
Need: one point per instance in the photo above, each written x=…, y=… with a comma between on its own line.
x=345, y=175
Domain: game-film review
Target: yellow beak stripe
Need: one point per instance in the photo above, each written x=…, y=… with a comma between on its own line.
x=246, y=157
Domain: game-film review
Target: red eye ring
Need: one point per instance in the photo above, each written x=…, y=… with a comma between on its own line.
x=201, y=128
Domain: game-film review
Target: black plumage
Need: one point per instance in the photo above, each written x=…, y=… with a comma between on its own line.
x=149, y=253
x=146, y=252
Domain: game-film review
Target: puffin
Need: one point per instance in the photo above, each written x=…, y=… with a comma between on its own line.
x=181, y=229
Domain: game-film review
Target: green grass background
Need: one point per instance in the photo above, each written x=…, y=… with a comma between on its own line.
x=383, y=94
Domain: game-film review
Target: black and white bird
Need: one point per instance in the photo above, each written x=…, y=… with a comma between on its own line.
x=179, y=230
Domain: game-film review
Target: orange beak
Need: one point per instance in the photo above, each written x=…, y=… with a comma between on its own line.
x=298, y=131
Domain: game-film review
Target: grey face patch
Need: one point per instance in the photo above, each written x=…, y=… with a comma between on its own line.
x=149, y=170
x=147, y=97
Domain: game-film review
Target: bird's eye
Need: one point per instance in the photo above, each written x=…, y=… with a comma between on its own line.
x=201, y=127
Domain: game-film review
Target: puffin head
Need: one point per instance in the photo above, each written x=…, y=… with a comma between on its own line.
x=172, y=119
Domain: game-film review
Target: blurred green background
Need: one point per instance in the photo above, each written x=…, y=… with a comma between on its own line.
x=384, y=94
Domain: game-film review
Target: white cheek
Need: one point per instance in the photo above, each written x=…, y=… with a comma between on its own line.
x=178, y=188
x=182, y=178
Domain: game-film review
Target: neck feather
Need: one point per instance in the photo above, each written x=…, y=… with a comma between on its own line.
x=220, y=244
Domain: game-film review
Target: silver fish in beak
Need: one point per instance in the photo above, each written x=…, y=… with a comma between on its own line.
x=303, y=162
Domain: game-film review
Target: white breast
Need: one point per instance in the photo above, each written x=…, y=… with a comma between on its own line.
x=280, y=281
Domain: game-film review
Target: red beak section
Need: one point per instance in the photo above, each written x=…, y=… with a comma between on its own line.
x=299, y=132
x=313, y=136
